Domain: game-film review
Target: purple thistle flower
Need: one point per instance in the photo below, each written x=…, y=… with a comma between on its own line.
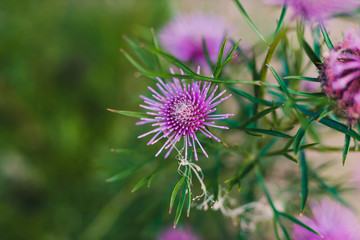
x=178, y=234
x=340, y=75
x=332, y=220
x=183, y=36
x=318, y=9
x=180, y=110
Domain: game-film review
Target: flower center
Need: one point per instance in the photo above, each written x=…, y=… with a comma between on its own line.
x=183, y=110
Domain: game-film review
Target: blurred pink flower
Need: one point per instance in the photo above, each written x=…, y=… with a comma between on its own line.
x=183, y=36
x=318, y=9
x=340, y=75
x=332, y=220
x=178, y=234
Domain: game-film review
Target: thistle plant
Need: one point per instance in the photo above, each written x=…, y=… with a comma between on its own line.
x=276, y=119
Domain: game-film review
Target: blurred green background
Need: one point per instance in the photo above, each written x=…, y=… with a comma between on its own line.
x=60, y=69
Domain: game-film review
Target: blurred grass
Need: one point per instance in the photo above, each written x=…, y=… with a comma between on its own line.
x=60, y=68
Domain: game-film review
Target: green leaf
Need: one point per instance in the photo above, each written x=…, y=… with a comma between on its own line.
x=290, y=157
x=244, y=171
x=278, y=79
x=262, y=185
x=298, y=139
x=129, y=113
x=346, y=148
x=144, y=56
x=217, y=69
x=326, y=36
x=171, y=59
x=302, y=78
x=250, y=22
x=198, y=77
x=133, y=61
x=175, y=191
x=156, y=45
x=304, y=180
x=309, y=52
x=206, y=53
x=188, y=202
x=296, y=221
x=259, y=114
x=250, y=97
x=231, y=54
x=269, y=132
x=331, y=190
x=281, y=19
x=123, y=174
x=332, y=124
x=140, y=184
x=180, y=206
x=275, y=225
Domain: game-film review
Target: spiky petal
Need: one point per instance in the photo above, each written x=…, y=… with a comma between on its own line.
x=180, y=111
x=340, y=75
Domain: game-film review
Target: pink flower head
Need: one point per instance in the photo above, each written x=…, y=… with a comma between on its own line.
x=332, y=220
x=183, y=36
x=181, y=110
x=340, y=75
x=178, y=234
x=318, y=9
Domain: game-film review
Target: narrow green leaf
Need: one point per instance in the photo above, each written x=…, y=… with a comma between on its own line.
x=296, y=221
x=140, y=184
x=250, y=22
x=171, y=59
x=144, y=56
x=269, y=132
x=180, y=205
x=217, y=69
x=279, y=80
x=175, y=191
x=262, y=184
x=250, y=97
x=298, y=139
x=129, y=113
x=281, y=19
x=304, y=180
x=331, y=190
x=198, y=77
x=244, y=171
x=332, y=124
x=156, y=45
x=326, y=36
x=346, y=148
x=275, y=225
x=207, y=56
x=188, y=202
x=133, y=61
x=290, y=157
x=259, y=115
x=309, y=52
x=303, y=78
x=231, y=53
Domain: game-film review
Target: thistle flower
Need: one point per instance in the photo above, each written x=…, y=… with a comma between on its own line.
x=183, y=37
x=318, y=9
x=181, y=110
x=178, y=234
x=340, y=75
x=332, y=220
